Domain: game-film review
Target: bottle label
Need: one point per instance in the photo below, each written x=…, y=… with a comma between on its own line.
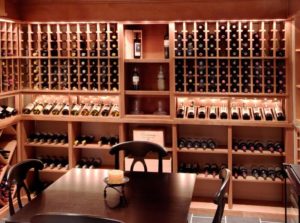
x=66, y=107
x=213, y=110
x=256, y=110
x=29, y=106
x=223, y=109
x=87, y=107
x=245, y=110
x=137, y=49
x=234, y=110
x=166, y=43
x=202, y=109
x=76, y=107
x=97, y=108
x=268, y=111
x=135, y=80
x=58, y=107
x=277, y=109
x=48, y=107
x=39, y=107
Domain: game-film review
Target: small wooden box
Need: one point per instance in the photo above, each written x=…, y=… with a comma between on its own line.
x=149, y=135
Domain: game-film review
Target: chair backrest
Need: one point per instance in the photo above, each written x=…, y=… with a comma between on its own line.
x=221, y=195
x=69, y=218
x=17, y=175
x=138, y=150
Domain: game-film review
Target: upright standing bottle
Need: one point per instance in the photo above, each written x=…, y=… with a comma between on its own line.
x=137, y=47
x=135, y=79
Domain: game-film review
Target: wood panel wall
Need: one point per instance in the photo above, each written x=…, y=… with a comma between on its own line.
x=12, y=9
x=294, y=7
x=64, y=10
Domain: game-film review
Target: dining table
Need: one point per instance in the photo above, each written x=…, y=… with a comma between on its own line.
x=148, y=197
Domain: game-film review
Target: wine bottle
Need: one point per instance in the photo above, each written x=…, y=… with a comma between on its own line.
x=214, y=169
x=278, y=147
x=189, y=143
x=235, y=171
x=211, y=144
x=48, y=108
x=245, y=113
x=243, y=145
x=268, y=113
x=206, y=169
x=29, y=108
x=259, y=146
x=223, y=111
x=96, y=109
x=234, y=112
x=279, y=113
x=256, y=113
x=243, y=172
x=213, y=111
x=191, y=110
x=66, y=110
x=250, y=146
x=137, y=47
x=58, y=108
x=135, y=79
x=181, y=111
x=104, y=140
x=255, y=172
x=181, y=143
x=76, y=108
x=166, y=45
x=106, y=109
x=87, y=109
x=38, y=109
x=279, y=173
x=263, y=172
x=202, y=111
x=271, y=173
x=196, y=144
x=115, y=111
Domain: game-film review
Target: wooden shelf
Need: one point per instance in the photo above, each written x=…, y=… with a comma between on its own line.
x=69, y=118
x=251, y=179
x=147, y=60
x=257, y=153
x=46, y=145
x=4, y=123
x=147, y=93
x=71, y=92
x=54, y=170
x=93, y=146
x=201, y=176
x=206, y=151
x=228, y=94
x=297, y=50
x=249, y=123
x=159, y=119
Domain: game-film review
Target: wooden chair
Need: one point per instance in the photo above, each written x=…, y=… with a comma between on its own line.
x=221, y=195
x=138, y=150
x=17, y=174
x=69, y=218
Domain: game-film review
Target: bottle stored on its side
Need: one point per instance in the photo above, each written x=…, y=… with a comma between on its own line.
x=96, y=109
x=257, y=113
x=66, y=110
x=246, y=113
x=279, y=113
x=223, y=111
x=255, y=172
x=87, y=109
x=202, y=111
x=191, y=110
x=263, y=172
x=271, y=173
x=211, y=144
x=106, y=109
x=38, y=109
x=29, y=108
x=58, y=108
x=235, y=112
x=213, y=112
x=243, y=172
x=268, y=113
x=180, y=113
x=76, y=109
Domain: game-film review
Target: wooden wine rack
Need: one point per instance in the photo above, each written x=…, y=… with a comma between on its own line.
x=38, y=50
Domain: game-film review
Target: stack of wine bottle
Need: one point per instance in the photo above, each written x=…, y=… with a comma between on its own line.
x=7, y=111
x=191, y=143
x=42, y=137
x=244, y=112
x=54, y=162
x=89, y=163
x=212, y=42
x=103, y=140
x=206, y=169
x=62, y=108
x=266, y=173
x=250, y=145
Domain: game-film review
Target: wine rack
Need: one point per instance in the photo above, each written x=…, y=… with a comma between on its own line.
x=76, y=57
x=235, y=57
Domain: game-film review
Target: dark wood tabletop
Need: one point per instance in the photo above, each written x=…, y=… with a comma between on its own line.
x=151, y=197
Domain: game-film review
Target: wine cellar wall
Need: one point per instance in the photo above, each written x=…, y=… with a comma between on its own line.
x=220, y=91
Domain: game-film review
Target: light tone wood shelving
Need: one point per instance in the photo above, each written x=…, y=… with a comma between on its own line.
x=201, y=176
x=202, y=151
x=156, y=60
x=147, y=93
x=256, y=153
x=251, y=179
x=93, y=146
x=46, y=145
